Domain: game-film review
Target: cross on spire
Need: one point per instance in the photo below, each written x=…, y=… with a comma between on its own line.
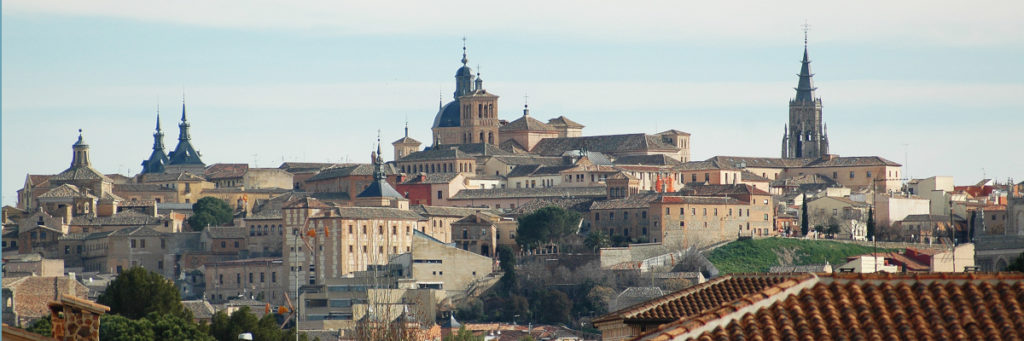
x=464, y=59
x=806, y=27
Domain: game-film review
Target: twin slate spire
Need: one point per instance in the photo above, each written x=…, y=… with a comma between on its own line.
x=182, y=155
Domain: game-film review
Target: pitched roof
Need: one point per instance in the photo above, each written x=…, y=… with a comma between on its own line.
x=446, y=211
x=218, y=232
x=430, y=178
x=226, y=170
x=698, y=189
x=474, y=149
x=297, y=167
x=495, y=193
x=405, y=140
x=530, y=159
x=526, y=123
x=352, y=169
x=179, y=176
x=120, y=218
x=378, y=189
x=854, y=307
x=771, y=162
x=80, y=173
x=657, y=160
x=200, y=309
x=306, y=202
x=531, y=170
x=65, y=191
x=674, y=132
x=562, y=121
x=376, y=213
x=608, y=144
x=750, y=176
x=134, y=187
x=642, y=200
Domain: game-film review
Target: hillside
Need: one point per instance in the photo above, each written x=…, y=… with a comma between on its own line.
x=758, y=255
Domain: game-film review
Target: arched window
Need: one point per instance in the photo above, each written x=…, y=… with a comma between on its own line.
x=490, y=138
x=481, y=137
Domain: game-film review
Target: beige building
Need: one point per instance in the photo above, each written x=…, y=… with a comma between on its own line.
x=851, y=216
x=890, y=209
x=483, y=232
x=472, y=117
x=855, y=172
x=225, y=175
x=937, y=189
x=524, y=132
x=263, y=279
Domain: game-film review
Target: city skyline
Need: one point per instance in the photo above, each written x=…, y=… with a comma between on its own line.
x=262, y=91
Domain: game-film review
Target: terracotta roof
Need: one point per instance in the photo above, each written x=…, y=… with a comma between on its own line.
x=526, y=123
x=360, y=169
x=564, y=192
x=699, y=200
x=121, y=218
x=181, y=176
x=562, y=121
x=37, y=179
x=226, y=170
x=608, y=144
x=972, y=310
x=771, y=162
x=720, y=190
x=306, y=202
x=750, y=176
x=696, y=299
x=80, y=173
x=642, y=200
x=406, y=140
x=975, y=306
x=375, y=213
x=216, y=232
x=66, y=191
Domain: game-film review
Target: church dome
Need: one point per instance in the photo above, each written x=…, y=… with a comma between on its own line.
x=464, y=71
x=448, y=116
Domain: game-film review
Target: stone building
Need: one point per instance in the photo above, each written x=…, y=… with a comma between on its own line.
x=472, y=117
x=525, y=132
x=806, y=135
x=263, y=279
x=29, y=295
x=405, y=145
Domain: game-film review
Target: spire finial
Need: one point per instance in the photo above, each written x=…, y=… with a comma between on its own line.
x=183, y=104
x=406, y=125
x=526, y=105
x=464, y=59
x=158, y=117
x=806, y=28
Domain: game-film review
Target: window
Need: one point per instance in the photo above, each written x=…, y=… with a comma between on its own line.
x=223, y=244
x=625, y=215
x=705, y=211
x=766, y=217
x=220, y=279
x=439, y=194
x=611, y=215
x=350, y=247
x=133, y=242
x=597, y=216
x=262, y=278
x=238, y=278
x=160, y=264
x=681, y=210
x=643, y=214
x=236, y=244
x=394, y=230
x=716, y=211
x=851, y=174
x=273, y=277
x=869, y=174
x=380, y=229
x=350, y=229
x=250, y=278
x=668, y=211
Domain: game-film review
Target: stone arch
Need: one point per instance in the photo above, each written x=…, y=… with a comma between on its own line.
x=1000, y=264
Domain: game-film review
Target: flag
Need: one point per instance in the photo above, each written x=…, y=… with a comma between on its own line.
x=311, y=233
x=266, y=310
x=327, y=232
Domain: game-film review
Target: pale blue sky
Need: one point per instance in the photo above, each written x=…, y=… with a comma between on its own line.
x=270, y=81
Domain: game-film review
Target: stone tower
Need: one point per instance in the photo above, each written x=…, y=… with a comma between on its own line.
x=157, y=160
x=806, y=135
x=473, y=116
x=405, y=145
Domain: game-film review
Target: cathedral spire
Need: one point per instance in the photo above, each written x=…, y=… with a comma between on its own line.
x=183, y=134
x=805, y=88
x=157, y=159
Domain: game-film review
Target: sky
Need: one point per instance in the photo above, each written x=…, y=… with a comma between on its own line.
x=935, y=85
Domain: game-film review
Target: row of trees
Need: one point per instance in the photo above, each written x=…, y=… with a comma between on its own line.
x=145, y=306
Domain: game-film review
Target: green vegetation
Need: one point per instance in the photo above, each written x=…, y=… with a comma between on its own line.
x=209, y=211
x=1017, y=265
x=546, y=225
x=154, y=327
x=41, y=326
x=137, y=292
x=227, y=328
x=758, y=255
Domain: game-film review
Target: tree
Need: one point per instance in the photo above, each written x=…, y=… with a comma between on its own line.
x=555, y=307
x=41, y=326
x=137, y=292
x=871, y=223
x=226, y=328
x=596, y=240
x=804, y=224
x=545, y=225
x=1017, y=265
x=507, y=260
x=209, y=211
x=153, y=327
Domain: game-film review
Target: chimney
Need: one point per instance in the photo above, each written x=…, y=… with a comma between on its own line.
x=80, y=321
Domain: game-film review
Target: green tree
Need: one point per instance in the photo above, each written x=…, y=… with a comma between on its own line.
x=41, y=326
x=597, y=239
x=226, y=328
x=804, y=224
x=871, y=223
x=1017, y=265
x=120, y=328
x=507, y=260
x=555, y=307
x=210, y=211
x=545, y=225
x=137, y=292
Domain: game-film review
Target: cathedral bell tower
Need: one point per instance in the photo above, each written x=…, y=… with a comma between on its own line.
x=805, y=135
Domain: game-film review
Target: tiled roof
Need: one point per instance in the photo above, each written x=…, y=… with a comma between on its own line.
x=642, y=200
x=306, y=202
x=474, y=149
x=720, y=189
x=37, y=179
x=608, y=144
x=164, y=177
x=132, y=187
x=805, y=179
x=514, y=160
x=926, y=218
x=888, y=309
x=446, y=211
x=750, y=176
x=770, y=162
x=700, y=165
x=79, y=173
x=674, y=132
x=562, y=121
x=121, y=218
x=512, y=146
x=200, y=309
x=535, y=170
x=695, y=300
x=694, y=200
x=65, y=191
x=379, y=189
x=376, y=213
x=495, y=193
x=657, y=160
x=269, y=209
x=811, y=268
x=246, y=190
x=850, y=161
x=297, y=167
x=436, y=154
x=226, y=170
x=361, y=169
x=430, y=178
x=574, y=204
x=526, y=123
x=217, y=232
x=406, y=140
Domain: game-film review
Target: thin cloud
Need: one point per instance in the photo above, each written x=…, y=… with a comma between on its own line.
x=962, y=23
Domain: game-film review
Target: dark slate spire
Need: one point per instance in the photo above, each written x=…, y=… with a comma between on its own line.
x=805, y=88
x=157, y=160
x=379, y=187
x=184, y=153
